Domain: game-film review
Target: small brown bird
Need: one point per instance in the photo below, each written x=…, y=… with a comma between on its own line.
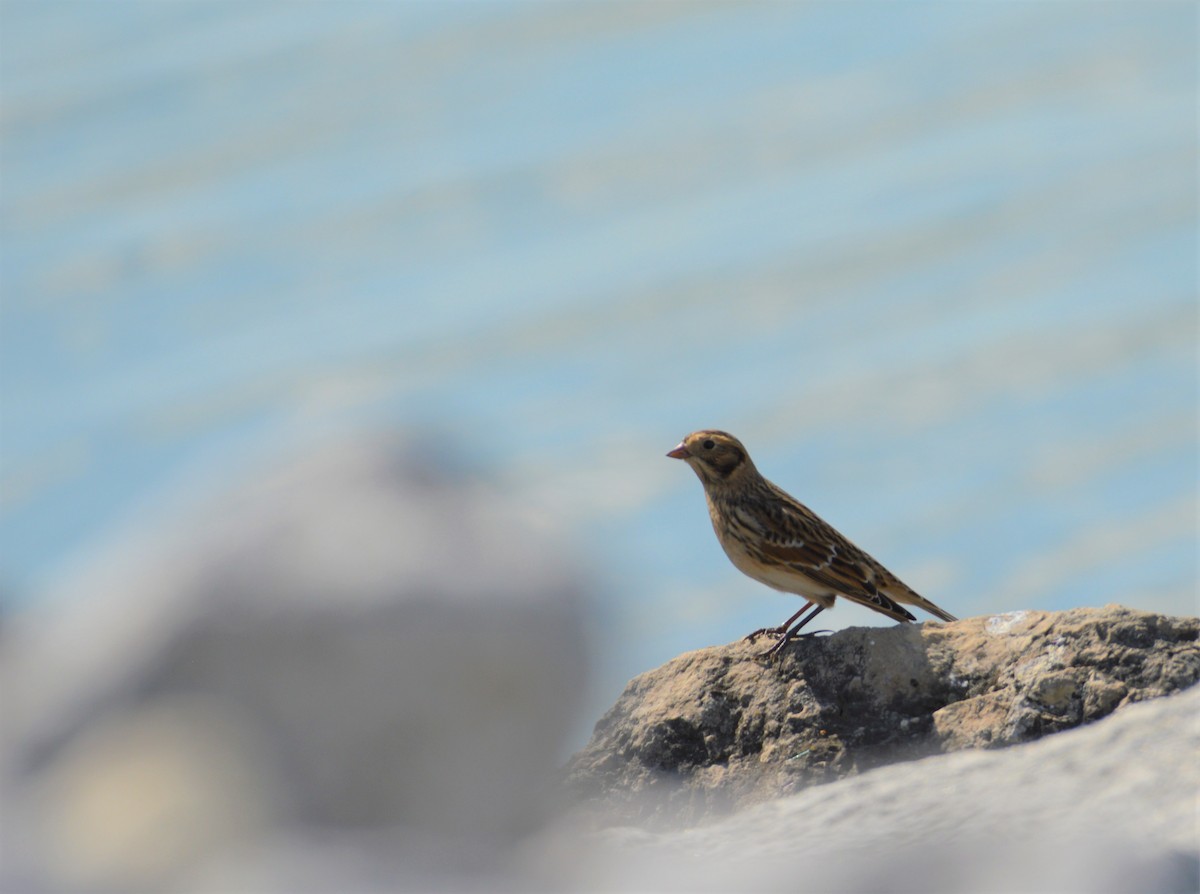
x=778, y=541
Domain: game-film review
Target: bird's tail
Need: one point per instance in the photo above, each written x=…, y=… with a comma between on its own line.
x=883, y=604
x=922, y=602
x=899, y=591
x=940, y=612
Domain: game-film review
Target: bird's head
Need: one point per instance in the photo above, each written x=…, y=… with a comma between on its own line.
x=717, y=457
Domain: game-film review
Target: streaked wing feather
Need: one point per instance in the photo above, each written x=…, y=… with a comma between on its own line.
x=792, y=535
x=883, y=604
x=806, y=556
x=822, y=563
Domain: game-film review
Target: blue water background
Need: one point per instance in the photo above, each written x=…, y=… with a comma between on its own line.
x=935, y=263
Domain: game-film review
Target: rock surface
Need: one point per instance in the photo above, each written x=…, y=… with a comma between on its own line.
x=338, y=645
x=720, y=728
x=1109, y=808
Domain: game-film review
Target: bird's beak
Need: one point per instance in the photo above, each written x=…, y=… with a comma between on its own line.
x=680, y=452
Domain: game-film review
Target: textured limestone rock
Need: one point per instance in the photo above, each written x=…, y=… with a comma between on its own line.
x=719, y=727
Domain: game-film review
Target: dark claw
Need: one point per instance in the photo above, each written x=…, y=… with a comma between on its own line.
x=771, y=652
x=787, y=638
x=785, y=633
x=751, y=637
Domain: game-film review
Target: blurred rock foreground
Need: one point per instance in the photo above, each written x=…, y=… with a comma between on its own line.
x=719, y=727
x=352, y=645
x=354, y=671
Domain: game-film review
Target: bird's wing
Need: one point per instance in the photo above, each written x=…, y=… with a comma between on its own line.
x=821, y=563
x=803, y=542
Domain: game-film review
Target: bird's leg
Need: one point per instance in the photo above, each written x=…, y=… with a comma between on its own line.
x=782, y=628
x=789, y=634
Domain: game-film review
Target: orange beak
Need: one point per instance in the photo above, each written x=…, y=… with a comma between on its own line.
x=680, y=452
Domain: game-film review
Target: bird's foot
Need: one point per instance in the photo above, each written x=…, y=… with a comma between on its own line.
x=762, y=631
x=786, y=638
x=774, y=650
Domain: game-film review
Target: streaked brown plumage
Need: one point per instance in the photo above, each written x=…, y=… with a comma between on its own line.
x=778, y=541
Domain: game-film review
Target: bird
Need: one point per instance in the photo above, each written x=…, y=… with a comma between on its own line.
x=775, y=539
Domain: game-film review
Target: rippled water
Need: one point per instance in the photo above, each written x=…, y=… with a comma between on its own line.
x=935, y=263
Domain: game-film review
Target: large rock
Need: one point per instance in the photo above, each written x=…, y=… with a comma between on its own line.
x=719, y=727
x=1108, y=808
x=356, y=644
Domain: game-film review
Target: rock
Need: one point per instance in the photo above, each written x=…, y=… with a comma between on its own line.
x=719, y=727
x=351, y=641
x=1108, y=808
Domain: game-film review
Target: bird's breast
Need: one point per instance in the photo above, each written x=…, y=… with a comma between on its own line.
x=738, y=539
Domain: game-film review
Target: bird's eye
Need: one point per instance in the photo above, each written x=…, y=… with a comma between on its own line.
x=708, y=444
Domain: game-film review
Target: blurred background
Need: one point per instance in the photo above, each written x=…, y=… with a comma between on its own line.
x=935, y=263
